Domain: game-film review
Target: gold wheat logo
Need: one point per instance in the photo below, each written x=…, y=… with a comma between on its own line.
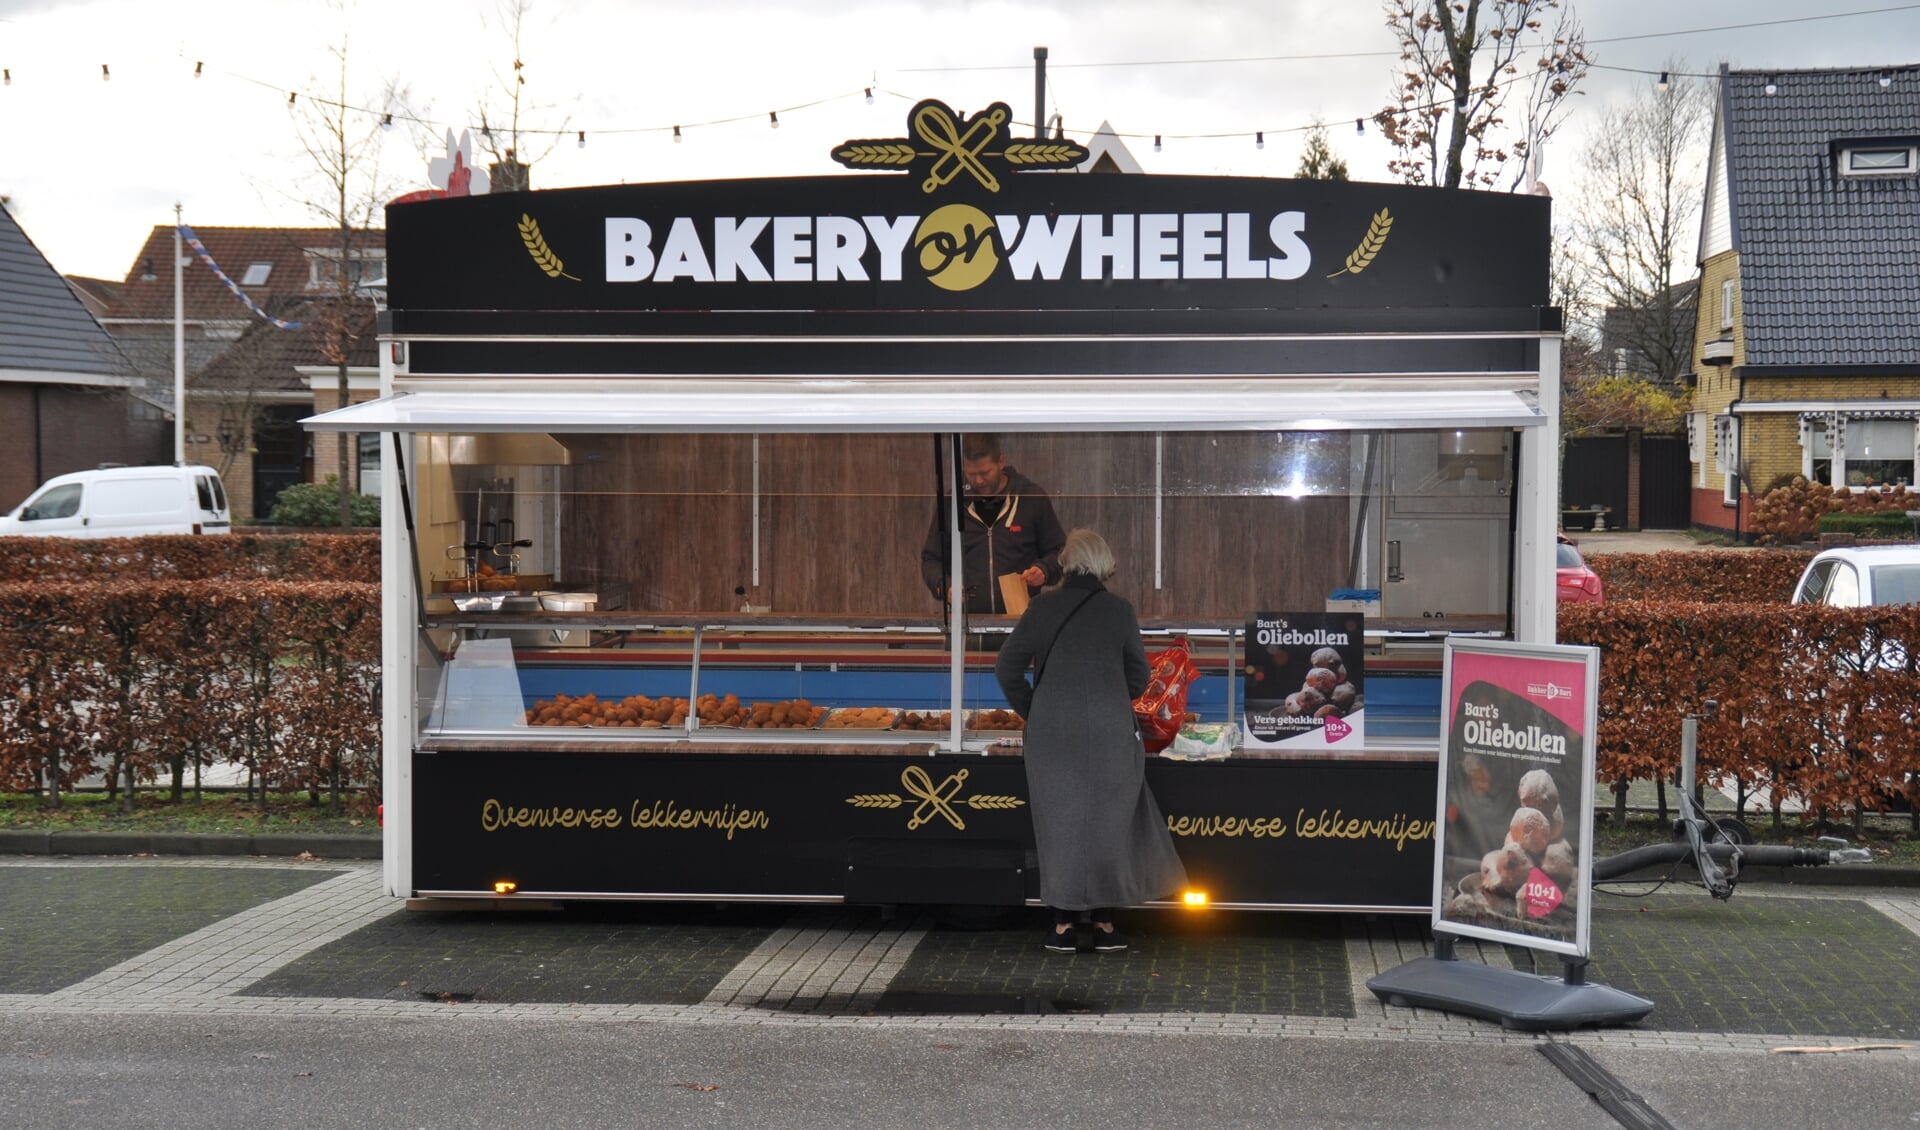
x=543, y=256
x=876, y=153
x=935, y=800
x=1048, y=153
x=1376, y=238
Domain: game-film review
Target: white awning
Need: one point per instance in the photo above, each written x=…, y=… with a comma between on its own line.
x=1004, y=405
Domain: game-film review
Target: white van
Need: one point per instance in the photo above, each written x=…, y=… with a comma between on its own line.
x=122, y=502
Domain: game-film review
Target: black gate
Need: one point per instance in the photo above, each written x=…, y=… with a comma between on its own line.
x=1665, y=502
x=1594, y=473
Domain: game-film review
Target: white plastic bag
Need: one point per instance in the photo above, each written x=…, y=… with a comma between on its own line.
x=1204, y=741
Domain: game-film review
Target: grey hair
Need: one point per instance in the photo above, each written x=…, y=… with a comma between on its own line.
x=1087, y=552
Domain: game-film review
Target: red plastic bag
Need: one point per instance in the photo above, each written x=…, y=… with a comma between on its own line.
x=1162, y=709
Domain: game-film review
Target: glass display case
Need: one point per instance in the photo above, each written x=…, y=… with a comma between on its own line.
x=789, y=590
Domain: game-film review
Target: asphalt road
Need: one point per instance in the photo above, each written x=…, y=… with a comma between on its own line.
x=264, y=993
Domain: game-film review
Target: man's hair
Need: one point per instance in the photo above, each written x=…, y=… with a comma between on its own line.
x=979, y=445
x=1087, y=552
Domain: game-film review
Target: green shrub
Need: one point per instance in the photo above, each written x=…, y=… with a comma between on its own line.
x=1891, y=525
x=318, y=504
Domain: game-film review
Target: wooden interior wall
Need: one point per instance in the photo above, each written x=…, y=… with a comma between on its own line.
x=844, y=518
x=668, y=515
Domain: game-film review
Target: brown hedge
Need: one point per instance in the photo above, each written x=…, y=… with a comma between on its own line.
x=1732, y=575
x=235, y=557
x=281, y=677
x=1800, y=713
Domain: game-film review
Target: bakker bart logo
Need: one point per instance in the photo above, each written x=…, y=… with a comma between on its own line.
x=1549, y=691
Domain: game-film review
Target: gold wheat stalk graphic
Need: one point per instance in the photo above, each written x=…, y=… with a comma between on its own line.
x=876, y=800
x=981, y=801
x=543, y=256
x=1376, y=238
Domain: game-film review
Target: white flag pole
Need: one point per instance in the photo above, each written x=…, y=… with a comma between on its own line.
x=179, y=351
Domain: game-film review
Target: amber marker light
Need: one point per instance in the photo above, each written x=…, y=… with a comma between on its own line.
x=505, y=886
x=1194, y=900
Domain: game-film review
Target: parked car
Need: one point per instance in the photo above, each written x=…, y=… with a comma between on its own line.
x=1859, y=576
x=1573, y=580
x=117, y=502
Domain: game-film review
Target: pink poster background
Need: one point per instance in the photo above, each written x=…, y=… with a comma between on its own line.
x=1559, y=685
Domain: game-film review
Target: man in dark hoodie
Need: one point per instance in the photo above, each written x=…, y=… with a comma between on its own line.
x=1007, y=525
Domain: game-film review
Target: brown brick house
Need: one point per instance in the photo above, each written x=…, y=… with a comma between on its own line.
x=249, y=382
x=1806, y=349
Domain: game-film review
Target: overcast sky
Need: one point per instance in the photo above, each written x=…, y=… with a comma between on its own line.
x=92, y=165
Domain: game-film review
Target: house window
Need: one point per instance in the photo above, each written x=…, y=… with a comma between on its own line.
x=1879, y=161
x=363, y=265
x=1879, y=453
x=1726, y=304
x=256, y=274
x=370, y=463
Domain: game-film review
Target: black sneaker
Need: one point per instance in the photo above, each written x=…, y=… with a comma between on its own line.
x=1108, y=941
x=1068, y=942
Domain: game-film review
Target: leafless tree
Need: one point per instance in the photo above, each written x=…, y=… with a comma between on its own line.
x=1636, y=223
x=343, y=141
x=506, y=102
x=1461, y=60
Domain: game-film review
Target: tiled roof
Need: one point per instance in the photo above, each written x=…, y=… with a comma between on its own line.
x=267, y=357
x=43, y=325
x=1829, y=264
x=147, y=292
x=97, y=294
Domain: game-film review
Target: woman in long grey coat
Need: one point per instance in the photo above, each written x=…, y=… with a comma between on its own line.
x=1103, y=843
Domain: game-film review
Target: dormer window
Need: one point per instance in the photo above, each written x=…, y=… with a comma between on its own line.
x=1878, y=161
x=256, y=274
x=363, y=265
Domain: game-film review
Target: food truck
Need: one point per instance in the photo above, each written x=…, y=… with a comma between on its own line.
x=660, y=462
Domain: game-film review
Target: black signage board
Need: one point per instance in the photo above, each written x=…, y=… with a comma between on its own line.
x=1285, y=833
x=1040, y=246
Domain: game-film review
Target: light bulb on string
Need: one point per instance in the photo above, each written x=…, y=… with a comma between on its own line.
x=583, y=139
x=196, y=69
x=386, y=121
x=8, y=74
x=291, y=95
x=105, y=74
x=1156, y=143
x=1260, y=139
x=1771, y=87
x=676, y=135
x=773, y=118
x=1360, y=127
x=1662, y=85
x=1886, y=79
x=869, y=95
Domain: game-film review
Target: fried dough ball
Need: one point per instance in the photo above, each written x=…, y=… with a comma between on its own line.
x=1530, y=829
x=1559, y=862
x=1538, y=791
x=1322, y=680
x=1503, y=871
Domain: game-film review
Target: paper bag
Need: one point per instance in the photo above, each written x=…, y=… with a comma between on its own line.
x=1013, y=590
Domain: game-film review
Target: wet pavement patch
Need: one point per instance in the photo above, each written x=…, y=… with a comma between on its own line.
x=1220, y=962
x=606, y=954
x=61, y=925
x=1787, y=966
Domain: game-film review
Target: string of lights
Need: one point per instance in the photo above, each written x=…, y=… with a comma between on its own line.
x=389, y=115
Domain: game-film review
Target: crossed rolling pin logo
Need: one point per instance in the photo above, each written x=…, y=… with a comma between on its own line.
x=946, y=144
x=941, y=801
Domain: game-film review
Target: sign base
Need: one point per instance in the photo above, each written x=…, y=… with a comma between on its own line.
x=1522, y=1001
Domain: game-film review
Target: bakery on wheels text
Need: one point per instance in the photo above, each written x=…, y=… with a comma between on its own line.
x=1125, y=246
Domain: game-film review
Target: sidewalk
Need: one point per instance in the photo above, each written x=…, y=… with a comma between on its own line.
x=279, y=939
x=1645, y=541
